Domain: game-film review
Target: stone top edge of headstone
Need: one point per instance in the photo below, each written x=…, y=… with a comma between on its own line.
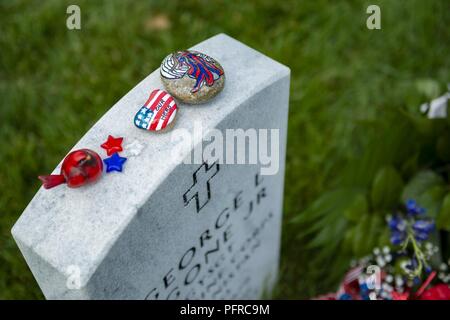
x=66, y=226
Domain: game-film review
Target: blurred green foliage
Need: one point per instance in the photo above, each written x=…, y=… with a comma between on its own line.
x=55, y=83
x=348, y=220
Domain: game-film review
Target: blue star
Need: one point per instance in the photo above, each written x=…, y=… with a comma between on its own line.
x=114, y=163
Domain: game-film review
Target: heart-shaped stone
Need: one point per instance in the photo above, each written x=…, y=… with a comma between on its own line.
x=158, y=112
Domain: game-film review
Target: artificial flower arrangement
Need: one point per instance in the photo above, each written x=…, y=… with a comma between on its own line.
x=399, y=156
x=406, y=270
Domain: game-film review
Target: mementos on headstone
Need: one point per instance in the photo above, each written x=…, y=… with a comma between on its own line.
x=163, y=229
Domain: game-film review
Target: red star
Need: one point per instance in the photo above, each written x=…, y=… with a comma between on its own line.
x=112, y=145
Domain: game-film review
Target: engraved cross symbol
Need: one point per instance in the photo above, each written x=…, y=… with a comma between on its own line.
x=198, y=191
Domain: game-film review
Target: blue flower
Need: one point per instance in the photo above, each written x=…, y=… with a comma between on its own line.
x=423, y=226
x=412, y=264
x=398, y=229
x=402, y=227
x=413, y=208
x=397, y=237
x=422, y=229
x=421, y=236
x=397, y=224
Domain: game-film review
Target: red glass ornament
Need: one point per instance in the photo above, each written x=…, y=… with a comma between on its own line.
x=78, y=168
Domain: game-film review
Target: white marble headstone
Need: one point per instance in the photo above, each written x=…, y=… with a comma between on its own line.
x=163, y=229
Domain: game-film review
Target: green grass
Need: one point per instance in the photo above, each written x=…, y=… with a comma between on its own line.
x=56, y=83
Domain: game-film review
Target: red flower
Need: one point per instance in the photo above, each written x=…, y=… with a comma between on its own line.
x=438, y=292
x=400, y=296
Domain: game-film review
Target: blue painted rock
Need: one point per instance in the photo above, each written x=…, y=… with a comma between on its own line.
x=158, y=112
x=191, y=76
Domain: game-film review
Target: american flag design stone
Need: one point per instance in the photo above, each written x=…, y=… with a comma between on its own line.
x=157, y=113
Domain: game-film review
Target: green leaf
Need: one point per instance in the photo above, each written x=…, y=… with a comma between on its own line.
x=357, y=208
x=428, y=87
x=315, y=226
x=386, y=189
x=443, y=219
x=349, y=239
x=410, y=166
x=329, y=235
x=388, y=140
x=431, y=200
x=376, y=227
x=330, y=201
x=360, y=239
x=443, y=147
x=360, y=244
x=421, y=182
x=385, y=238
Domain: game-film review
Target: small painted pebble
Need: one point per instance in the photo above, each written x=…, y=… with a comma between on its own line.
x=191, y=76
x=158, y=112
